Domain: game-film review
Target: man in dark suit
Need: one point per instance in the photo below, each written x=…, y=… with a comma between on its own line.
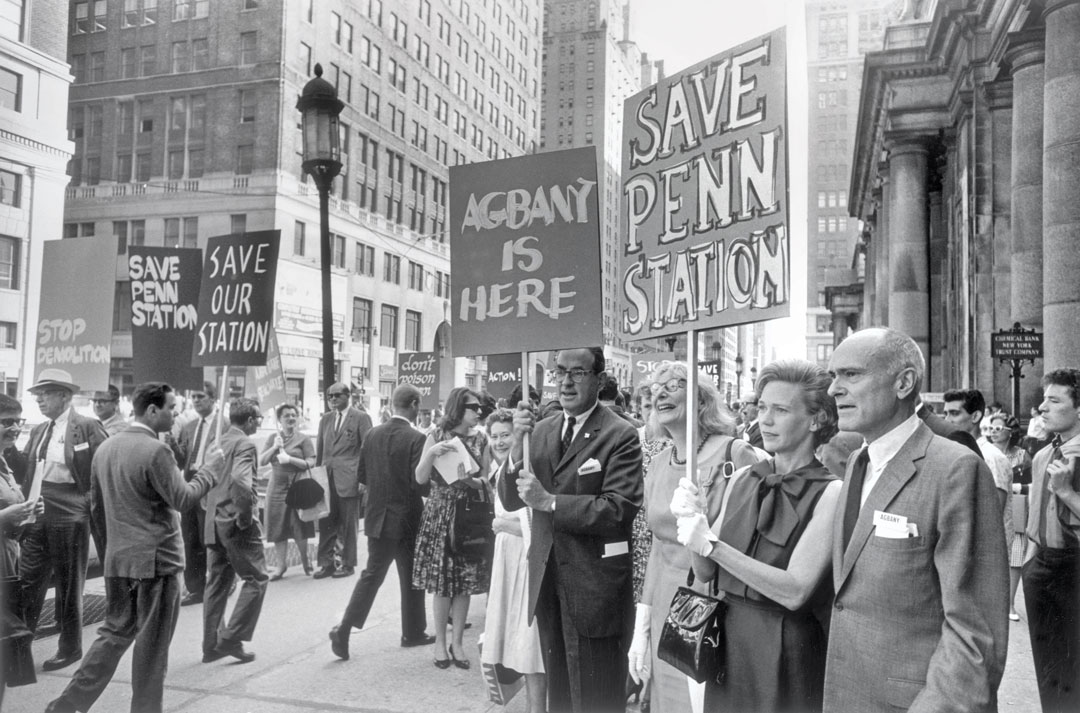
x=584, y=484
x=940, y=427
x=749, y=414
x=58, y=455
x=197, y=438
x=920, y=570
x=139, y=488
x=392, y=513
x=341, y=433
x=233, y=537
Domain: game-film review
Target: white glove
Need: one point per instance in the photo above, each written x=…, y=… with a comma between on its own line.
x=694, y=533
x=687, y=500
x=640, y=652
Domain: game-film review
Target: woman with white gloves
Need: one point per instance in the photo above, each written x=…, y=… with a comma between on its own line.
x=669, y=562
x=770, y=549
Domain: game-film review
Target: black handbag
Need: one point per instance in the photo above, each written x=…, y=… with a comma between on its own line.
x=471, y=534
x=692, y=639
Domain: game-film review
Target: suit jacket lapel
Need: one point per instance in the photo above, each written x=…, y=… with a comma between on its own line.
x=897, y=473
x=585, y=435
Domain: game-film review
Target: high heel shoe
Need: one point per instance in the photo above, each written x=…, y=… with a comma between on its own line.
x=441, y=663
x=460, y=663
x=307, y=567
x=278, y=574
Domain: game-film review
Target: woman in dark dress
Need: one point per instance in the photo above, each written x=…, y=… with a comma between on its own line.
x=290, y=454
x=451, y=577
x=770, y=550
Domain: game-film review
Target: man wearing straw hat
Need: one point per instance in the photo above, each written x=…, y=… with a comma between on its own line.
x=58, y=456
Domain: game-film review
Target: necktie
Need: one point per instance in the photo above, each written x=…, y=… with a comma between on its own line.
x=568, y=436
x=1044, y=493
x=43, y=447
x=854, y=495
x=194, y=458
x=337, y=424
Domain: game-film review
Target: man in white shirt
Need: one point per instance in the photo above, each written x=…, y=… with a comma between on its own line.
x=920, y=569
x=195, y=441
x=964, y=408
x=107, y=409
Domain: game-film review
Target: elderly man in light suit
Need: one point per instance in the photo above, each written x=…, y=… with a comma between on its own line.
x=920, y=618
x=341, y=432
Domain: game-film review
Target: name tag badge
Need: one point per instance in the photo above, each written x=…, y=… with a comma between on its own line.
x=889, y=520
x=81, y=447
x=611, y=549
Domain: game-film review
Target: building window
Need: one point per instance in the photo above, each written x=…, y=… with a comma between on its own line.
x=200, y=54
x=412, y=331
x=11, y=19
x=89, y=16
x=299, y=238
x=9, y=263
x=388, y=326
x=392, y=268
x=247, y=106
x=238, y=223
x=305, y=58
x=248, y=44
x=7, y=335
x=147, y=60
x=339, y=251
x=120, y=232
x=416, y=276
x=10, y=183
x=10, y=90
x=140, y=12
x=361, y=319
x=365, y=260
x=245, y=159
x=122, y=307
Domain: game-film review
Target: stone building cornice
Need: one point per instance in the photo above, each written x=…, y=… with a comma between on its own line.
x=35, y=145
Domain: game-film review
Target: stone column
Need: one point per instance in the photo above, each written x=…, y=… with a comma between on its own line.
x=1061, y=185
x=909, y=239
x=939, y=272
x=995, y=238
x=1025, y=57
x=881, y=254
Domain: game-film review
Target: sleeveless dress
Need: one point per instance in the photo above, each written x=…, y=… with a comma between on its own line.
x=436, y=569
x=775, y=656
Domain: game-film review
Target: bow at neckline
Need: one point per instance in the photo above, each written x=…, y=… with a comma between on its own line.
x=777, y=494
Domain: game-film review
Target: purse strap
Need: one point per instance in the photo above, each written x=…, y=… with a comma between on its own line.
x=728, y=469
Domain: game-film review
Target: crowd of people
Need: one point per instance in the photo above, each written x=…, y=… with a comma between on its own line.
x=866, y=551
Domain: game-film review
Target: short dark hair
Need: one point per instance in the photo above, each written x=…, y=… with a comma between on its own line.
x=241, y=409
x=9, y=404
x=404, y=395
x=971, y=399
x=283, y=406
x=1069, y=378
x=210, y=389
x=598, y=362
x=515, y=397
x=152, y=393
x=488, y=404
x=609, y=388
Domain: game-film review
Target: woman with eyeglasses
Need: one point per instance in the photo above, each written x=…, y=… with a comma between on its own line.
x=509, y=639
x=1006, y=434
x=769, y=549
x=290, y=453
x=452, y=578
x=669, y=562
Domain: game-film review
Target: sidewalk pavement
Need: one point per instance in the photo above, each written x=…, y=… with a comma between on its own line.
x=295, y=670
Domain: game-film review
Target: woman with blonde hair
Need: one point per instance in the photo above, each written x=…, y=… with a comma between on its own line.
x=669, y=562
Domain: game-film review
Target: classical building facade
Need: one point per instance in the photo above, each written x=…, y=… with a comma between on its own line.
x=184, y=122
x=34, y=151
x=966, y=174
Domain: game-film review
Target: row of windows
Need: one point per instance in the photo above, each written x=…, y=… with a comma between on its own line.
x=832, y=224
x=833, y=98
x=90, y=16
x=832, y=74
x=832, y=199
x=142, y=61
x=387, y=331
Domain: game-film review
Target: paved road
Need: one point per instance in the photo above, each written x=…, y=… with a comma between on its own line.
x=295, y=671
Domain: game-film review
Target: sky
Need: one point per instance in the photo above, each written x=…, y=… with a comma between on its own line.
x=685, y=32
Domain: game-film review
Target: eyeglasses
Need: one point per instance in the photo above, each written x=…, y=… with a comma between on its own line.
x=103, y=401
x=670, y=386
x=9, y=422
x=473, y=407
x=335, y=394
x=576, y=375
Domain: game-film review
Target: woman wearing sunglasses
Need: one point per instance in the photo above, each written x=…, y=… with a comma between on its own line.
x=770, y=548
x=669, y=562
x=1005, y=433
x=452, y=578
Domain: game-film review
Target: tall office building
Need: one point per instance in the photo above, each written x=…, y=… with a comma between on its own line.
x=590, y=67
x=184, y=122
x=839, y=34
x=34, y=150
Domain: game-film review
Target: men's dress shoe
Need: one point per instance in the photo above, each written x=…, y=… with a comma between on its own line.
x=61, y=661
x=343, y=572
x=212, y=656
x=421, y=640
x=339, y=642
x=324, y=572
x=60, y=705
x=191, y=598
x=236, y=650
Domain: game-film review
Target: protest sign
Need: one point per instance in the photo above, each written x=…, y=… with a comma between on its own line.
x=74, y=329
x=236, y=302
x=421, y=369
x=525, y=254
x=642, y=366
x=164, y=284
x=705, y=195
x=714, y=370
x=269, y=380
x=503, y=374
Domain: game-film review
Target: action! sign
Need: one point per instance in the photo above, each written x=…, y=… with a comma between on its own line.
x=236, y=302
x=74, y=329
x=421, y=369
x=164, y=285
x=503, y=375
x=705, y=195
x=525, y=239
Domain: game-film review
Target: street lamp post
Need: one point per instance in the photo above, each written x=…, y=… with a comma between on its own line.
x=319, y=108
x=753, y=377
x=738, y=376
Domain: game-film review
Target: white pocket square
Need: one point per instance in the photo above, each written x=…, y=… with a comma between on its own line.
x=590, y=466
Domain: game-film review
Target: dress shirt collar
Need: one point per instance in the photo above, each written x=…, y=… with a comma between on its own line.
x=885, y=448
x=146, y=428
x=579, y=420
x=402, y=418
x=62, y=420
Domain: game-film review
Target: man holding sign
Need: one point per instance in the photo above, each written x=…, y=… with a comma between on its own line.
x=584, y=484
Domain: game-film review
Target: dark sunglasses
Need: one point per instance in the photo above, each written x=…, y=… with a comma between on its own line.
x=9, y=422
x=473, y=407
x=334, y=394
